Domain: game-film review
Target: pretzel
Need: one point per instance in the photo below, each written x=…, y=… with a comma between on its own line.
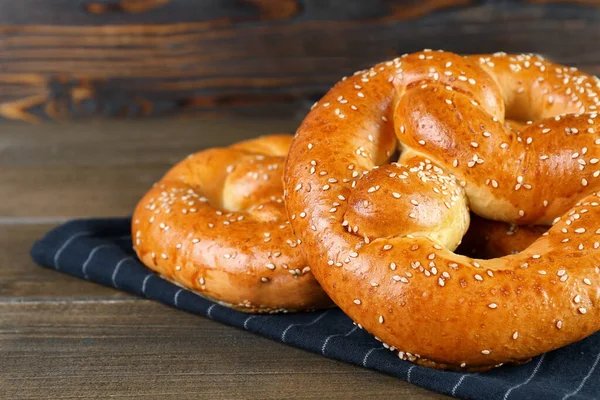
x=216, y=224
x=513, y=138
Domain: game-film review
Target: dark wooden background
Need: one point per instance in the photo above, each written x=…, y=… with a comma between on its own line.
x=71, y=58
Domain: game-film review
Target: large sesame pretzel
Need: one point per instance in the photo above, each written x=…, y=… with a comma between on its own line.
x=382, y=235
x=216, y=224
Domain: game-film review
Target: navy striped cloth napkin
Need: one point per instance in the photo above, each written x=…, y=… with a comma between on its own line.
x=99, y=250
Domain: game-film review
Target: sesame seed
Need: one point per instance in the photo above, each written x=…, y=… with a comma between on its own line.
x=381, y=319
x=582, y=310
x=356, y=301
x=486, y=352
x=515, y=335
x=493, y=305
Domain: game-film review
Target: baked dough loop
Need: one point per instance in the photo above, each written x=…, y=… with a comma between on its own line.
x=216, y=224
x=512, y=138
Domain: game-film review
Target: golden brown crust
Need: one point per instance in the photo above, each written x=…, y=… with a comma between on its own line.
x=216, y=224
x=448, y=112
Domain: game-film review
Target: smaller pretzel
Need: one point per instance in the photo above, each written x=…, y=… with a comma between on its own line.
x=216, y=224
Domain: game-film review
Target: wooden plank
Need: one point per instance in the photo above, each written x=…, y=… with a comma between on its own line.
x=75, y=192
x=102, y=168
x=124, y=142
x=141, y=348
x=248, y=58
x=208, y=13
x=22, y=280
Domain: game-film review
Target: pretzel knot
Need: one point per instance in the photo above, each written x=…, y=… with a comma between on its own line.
x=216, y=224
x=510, y=137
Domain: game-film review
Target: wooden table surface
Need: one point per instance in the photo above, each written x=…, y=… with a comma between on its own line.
x=61, y=337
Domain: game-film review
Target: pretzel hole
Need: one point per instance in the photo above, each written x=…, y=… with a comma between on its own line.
x=486, y=239
x=252, y=182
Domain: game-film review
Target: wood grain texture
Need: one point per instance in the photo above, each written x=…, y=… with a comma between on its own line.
x=72, y=192
x=125, y=143
x=22, y=280
x=61, y=59
x=140, y=348
x=102, y=168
